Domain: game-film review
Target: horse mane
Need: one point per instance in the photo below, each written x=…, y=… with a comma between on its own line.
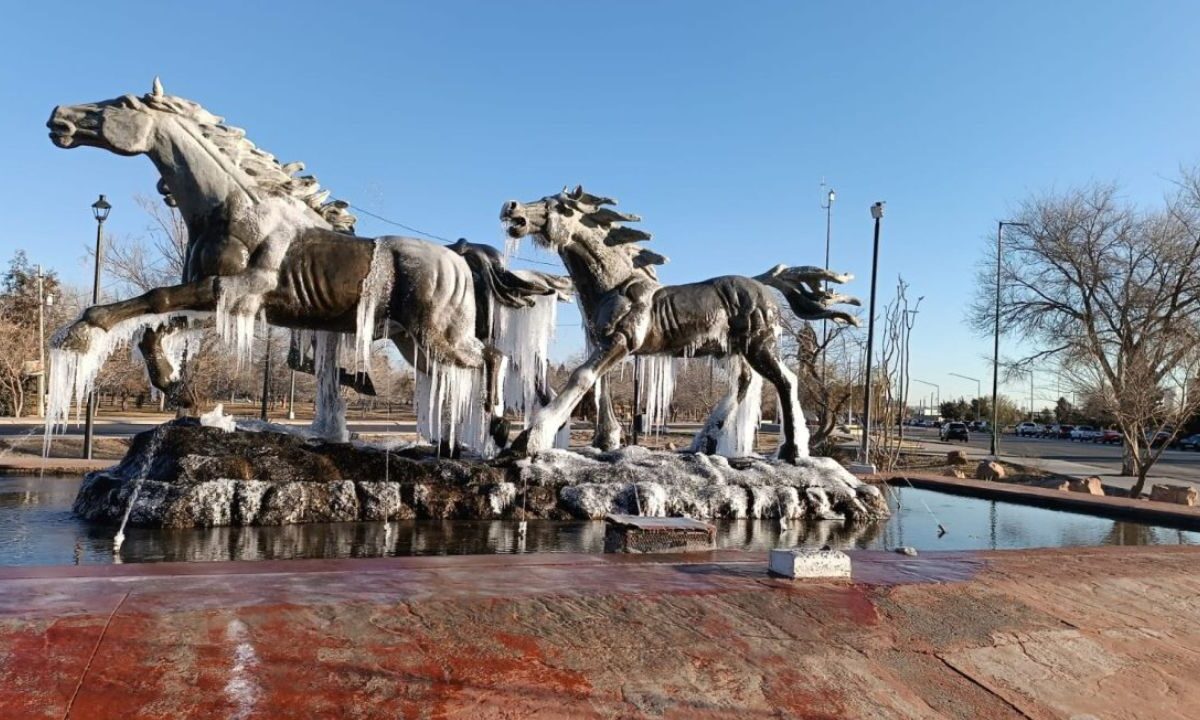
x=596, y=213
x=267, y=172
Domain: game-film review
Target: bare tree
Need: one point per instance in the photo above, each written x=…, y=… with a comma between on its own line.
x=1110, y=294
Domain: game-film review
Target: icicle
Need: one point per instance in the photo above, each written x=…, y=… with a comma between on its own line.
x=523, y=336
x=449, y=406
x=736, y=438
x=235, y=316
x=329, y=418
x=658, y=388
x=375, y=287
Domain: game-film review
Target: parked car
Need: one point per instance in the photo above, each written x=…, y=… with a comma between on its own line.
x=1065, y=432
x=1084, y=433
x=1110, y=437
x=1191, y=442
x=1028, y=429
x=954, y=431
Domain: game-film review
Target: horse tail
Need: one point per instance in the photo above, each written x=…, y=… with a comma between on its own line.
x=802, y=287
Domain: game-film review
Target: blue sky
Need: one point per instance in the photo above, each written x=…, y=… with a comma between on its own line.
x=714, y=121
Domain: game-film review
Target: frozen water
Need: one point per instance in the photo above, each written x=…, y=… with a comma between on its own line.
x=657, y=388
x=596, y=483
x=218, y=419
x=736, y=438
x=523, y=335
x=449, y=404
x=329, y=419
x=375, y=288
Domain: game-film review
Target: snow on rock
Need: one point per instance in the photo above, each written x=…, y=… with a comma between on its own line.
x=595, y=483
x=216, y=418
x=184, y=474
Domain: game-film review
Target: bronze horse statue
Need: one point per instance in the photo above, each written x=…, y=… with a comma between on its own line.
x=628, y=312
x=265, y=243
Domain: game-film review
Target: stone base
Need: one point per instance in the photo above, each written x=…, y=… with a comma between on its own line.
x=632, y=534
x=795, y=563
x=187, y=475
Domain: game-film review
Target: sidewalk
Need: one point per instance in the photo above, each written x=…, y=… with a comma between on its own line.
x=1031, y=634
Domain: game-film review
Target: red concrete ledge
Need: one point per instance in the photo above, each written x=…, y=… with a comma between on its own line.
x=1179, y=517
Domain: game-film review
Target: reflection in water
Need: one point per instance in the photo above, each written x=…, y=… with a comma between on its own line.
x=38, y=528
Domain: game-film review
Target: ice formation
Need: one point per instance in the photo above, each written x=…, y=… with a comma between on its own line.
x=657, y=388
x=449, y=404
x=736, y=438
x=593, y=483
x=375, y=288
x=523, y=335
x=329, y=418
x=72, y=374
x=218, y=419
x=235, y=317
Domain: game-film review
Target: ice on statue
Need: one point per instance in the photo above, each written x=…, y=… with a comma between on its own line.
x=475, y=334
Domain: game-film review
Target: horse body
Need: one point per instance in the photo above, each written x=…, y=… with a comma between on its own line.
x=264, y=242
x=627, y=311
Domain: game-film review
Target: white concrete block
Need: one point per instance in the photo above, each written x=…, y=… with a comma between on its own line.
x=798, y=563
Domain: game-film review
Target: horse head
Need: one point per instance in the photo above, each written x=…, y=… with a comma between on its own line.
x=557, y=220
x=124, y=125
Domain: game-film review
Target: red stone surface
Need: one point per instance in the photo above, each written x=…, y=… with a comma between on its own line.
x=1043, y=634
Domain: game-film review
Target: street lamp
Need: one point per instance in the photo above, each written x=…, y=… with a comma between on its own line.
x=828, y=208
x=864, y=459
x=100, y=210
x=996, y=339
x=978, y=392
x=44, y=301
x=936, y=387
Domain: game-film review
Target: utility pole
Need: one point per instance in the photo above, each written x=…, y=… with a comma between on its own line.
x=266, y=388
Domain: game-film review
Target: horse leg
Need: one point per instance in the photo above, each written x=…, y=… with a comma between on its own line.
x=708, y=438
x=608, y=430
x=498, y=426
x=199, y=296
x=764, y=358
x=548, y=419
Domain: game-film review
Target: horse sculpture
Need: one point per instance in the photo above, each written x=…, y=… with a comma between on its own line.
x=264, y=243
x=627, y=311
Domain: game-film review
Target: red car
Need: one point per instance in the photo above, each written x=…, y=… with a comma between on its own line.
x=1109, y=437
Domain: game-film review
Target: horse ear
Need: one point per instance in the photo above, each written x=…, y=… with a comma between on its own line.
x=577, y=193
x=156, y=88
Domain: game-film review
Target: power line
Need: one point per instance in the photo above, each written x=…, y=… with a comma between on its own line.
x=412, y=229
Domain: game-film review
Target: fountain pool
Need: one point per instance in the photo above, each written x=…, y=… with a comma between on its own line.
x=37, y=527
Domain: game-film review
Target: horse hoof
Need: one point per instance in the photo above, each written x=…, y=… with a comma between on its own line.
x=77, y=338
x=499, y=430
x=789, y=453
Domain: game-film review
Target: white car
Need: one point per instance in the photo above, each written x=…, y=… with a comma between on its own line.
x=1085, y=433
x=1029, y=429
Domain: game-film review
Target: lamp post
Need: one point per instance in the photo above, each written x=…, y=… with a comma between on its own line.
x=865, y=451
x=978, y=392
x=996, y=339
x=100, y=210
x=937, y=408
x=44, y=301
x=830, y=196
x=266, y=387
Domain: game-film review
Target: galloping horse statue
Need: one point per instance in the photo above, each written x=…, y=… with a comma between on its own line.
x=263, y=242
x=627, y=311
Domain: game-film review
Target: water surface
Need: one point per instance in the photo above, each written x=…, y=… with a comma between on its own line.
x=37, y=527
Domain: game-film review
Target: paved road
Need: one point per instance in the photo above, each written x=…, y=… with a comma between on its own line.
x=125, y=429
x=1180, y=464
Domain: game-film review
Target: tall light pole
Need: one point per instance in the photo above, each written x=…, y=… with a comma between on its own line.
x=865, y=451
x=996, y=338
x=100, y=210
x=978, y=392
x=938, y=389
x=44, y=301
x=828, y=208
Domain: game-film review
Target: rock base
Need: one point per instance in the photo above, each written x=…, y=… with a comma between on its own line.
x=187, y=475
